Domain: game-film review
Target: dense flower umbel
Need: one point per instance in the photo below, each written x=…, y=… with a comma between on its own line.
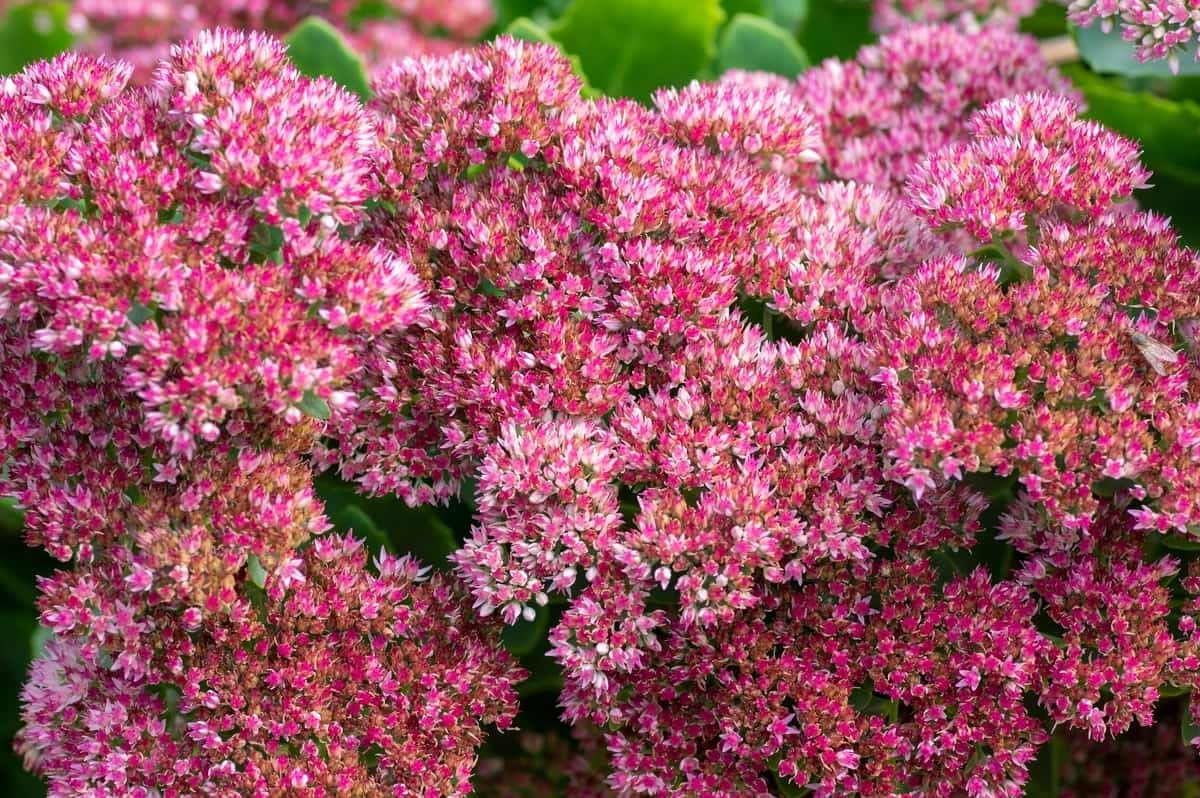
x=160, y=235
x=1056, y=360
x=1157, y=29
x=913, y=92
x=334, y=681
x=806, y=679
x=141, y=31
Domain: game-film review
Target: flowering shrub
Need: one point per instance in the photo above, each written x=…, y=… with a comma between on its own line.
x=828, y=434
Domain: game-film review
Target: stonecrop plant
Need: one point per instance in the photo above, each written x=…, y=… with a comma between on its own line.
x=829, y=431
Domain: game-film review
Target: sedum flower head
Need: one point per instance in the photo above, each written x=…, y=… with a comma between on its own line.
x=333, y=681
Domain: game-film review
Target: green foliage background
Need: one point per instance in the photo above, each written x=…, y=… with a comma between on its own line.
x=628, y=48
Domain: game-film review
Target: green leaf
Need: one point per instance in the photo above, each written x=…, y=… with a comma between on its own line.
x=508, y=11
x=488, y=288
x=33, y=32
x=1109, y=53
x=788, y=14
x=319, y=50
x=526, y=29
x=315, y=406
x=758, y=45
x=1045, y=774
x=11, y=519
x=524, y=636
x=352, y=518
x=418, y=531
x=1050, y=19
x=1181, y=543
x=38, y=640
x=545, y=676
x=629, y=48
x=256, y=572
x=836, y=28
x=734, y=7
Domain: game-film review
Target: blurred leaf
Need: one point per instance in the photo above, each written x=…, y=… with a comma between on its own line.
x=734, y=7
x=352, y=518
x=1050, y=19
x=787, y=14
x=507, y=11
x=33, y=32
x=526, y=29
x=38, y=640
x=629, y=48
x=524, y=636
x=1167, y=130
x=545, y=676
x=1109, y=53
x=836, y=29
x=319, y=50
x=758, y=45
x=11, y=519
x=1045, y=774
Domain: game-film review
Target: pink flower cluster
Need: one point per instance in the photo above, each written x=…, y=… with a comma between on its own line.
x=739, y=385
x=1158, y=29
x=186, y=301
x=140, y=31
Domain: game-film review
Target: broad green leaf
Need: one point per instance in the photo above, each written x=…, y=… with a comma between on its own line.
x=836, y=28
x=315, y=406
x=33, y=32
x=524, y=636
x=1109, y=53
x=787, y=14
x=758, y=45
x=1167, y=131
x=629, y=48
x=319, y=50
